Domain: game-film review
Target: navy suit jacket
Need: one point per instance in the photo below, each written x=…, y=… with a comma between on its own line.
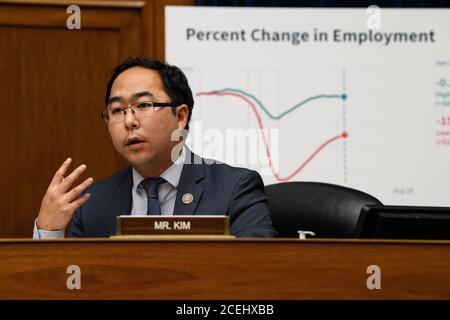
x=217, y=189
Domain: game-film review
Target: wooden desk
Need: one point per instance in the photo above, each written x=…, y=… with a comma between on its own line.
x=224, y=269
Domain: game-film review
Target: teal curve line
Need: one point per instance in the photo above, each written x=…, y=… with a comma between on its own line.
x=443, y=83
x=273, y=117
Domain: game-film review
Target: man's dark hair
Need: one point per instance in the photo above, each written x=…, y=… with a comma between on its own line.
x=174, y=81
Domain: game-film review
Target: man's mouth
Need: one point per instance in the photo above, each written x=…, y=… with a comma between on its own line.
x=134, y=141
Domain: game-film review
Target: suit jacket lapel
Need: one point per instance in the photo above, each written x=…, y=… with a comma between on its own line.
x=193, y=172
x=120, y=200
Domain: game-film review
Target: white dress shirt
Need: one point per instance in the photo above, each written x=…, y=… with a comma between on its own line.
x=167, y=191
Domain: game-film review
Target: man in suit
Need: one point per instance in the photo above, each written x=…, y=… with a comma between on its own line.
x=147, y=104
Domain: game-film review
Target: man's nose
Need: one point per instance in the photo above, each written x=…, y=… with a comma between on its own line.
x=130, y=119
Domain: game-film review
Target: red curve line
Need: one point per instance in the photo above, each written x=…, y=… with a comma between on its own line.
x=343, y=135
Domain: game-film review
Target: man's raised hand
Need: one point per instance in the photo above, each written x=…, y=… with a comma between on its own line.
x=60, y=202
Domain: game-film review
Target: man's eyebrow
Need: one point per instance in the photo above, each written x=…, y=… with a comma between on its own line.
x=142, y=94
x=114, y=99
x=133, y=97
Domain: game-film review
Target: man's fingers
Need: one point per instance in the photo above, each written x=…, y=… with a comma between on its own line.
x=70, y=179
x=59, y=175
x=72, y=194
x=79, y=202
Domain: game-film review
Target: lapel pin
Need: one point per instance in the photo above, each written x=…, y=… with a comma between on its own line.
x=187, y=198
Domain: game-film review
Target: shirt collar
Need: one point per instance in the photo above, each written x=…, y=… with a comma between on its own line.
x=172, y=174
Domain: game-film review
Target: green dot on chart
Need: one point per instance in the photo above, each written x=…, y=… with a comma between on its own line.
x=344, y=96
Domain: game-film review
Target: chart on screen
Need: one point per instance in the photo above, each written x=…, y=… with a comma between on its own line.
x=322, y=95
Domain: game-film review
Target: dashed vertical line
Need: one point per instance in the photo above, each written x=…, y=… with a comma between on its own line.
x=277, y=89
x=248, y=75
x=344, y=126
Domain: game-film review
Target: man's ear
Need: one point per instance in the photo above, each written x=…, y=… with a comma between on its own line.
x=182, y=114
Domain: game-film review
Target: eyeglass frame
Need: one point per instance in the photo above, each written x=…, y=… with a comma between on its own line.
x=104, y=115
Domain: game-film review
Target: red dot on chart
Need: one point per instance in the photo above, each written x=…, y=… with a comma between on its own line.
x=344, y=134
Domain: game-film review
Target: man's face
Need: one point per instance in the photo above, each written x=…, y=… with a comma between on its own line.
x=145, y=142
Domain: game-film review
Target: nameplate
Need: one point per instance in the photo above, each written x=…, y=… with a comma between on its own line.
x=172, y=225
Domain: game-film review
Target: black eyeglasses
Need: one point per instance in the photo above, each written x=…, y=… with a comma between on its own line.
x=115, y=112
